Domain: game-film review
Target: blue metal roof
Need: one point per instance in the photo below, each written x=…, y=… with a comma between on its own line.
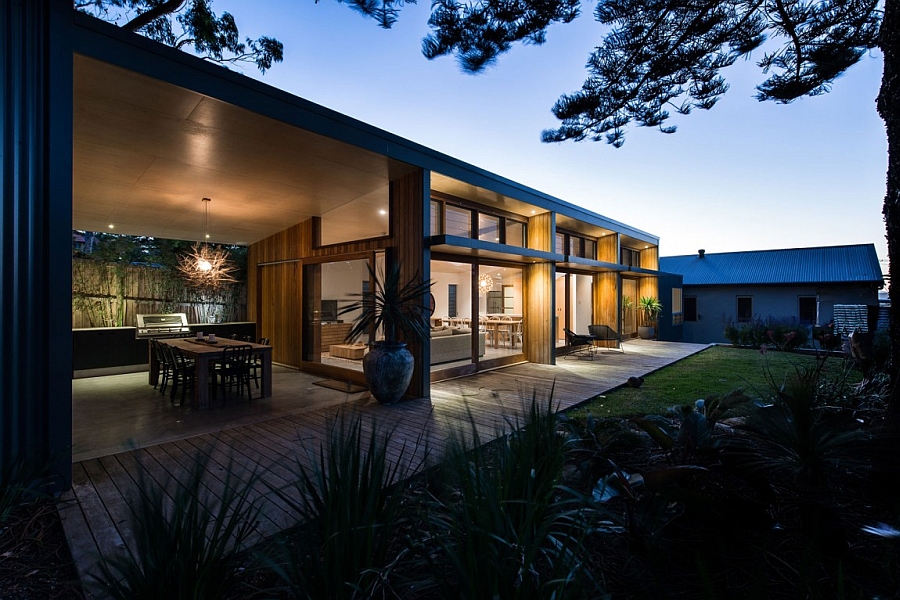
x=826, y=264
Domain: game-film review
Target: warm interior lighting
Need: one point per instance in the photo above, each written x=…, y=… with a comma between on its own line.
x=111, y=226
x=485, y=283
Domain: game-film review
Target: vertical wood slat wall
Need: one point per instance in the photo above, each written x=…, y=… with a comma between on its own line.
x=541, y=231
x=650, y=258
x=608, y=248
x=606, y=300
x=539, y=312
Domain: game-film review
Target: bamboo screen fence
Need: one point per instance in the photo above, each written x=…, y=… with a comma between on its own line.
x=111, y=294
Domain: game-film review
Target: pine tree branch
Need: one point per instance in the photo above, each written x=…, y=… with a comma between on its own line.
x=791, y=29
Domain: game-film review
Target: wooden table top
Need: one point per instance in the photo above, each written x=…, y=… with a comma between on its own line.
x=195, y=346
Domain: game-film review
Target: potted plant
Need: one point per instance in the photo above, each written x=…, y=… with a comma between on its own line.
x=400, y=312
x=649, y=308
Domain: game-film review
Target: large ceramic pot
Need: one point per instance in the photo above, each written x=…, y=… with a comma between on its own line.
x=388, y=367
x=646, y=333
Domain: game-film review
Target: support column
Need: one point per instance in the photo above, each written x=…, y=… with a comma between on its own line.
x=410, y=212
x=540, y=303
x=36, y=233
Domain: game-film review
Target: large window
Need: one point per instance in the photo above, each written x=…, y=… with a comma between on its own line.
x=744, y=309
x=576, y=245
x=458, y=221
x=488, y=228
x=498, y=227
x=515, y=233
x=630, y=257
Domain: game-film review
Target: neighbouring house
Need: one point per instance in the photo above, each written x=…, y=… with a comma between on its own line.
x=800, y=285
x=102, y=127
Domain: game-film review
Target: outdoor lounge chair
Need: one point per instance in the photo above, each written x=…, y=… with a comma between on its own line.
x=605, y=333
x=579, y=345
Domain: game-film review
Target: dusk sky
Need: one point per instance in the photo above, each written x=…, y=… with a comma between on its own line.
x=743, y=176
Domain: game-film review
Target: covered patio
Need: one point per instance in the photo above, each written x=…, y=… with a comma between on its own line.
x=274, y=432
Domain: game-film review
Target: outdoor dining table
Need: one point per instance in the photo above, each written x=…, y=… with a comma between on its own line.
x=203, y=353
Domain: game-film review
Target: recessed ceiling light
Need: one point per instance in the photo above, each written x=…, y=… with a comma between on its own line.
x=382, y=212
x=111, y=226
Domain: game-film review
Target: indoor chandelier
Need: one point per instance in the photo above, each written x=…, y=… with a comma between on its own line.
x=206, y=266
x=485, y=283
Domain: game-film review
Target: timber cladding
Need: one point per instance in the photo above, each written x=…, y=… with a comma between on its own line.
x=538, y=341
x=606, y=300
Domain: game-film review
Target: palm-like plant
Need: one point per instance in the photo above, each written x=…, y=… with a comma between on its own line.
x=650, y=308
x=394, y=307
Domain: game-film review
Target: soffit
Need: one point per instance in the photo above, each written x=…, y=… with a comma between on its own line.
x=146, y=152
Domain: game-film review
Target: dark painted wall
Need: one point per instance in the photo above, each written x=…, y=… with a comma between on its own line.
x=35, y=226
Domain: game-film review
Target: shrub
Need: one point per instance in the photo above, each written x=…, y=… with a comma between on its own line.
x=767, y=334
x=504, y=526
x=350, y=503
x=186, y=539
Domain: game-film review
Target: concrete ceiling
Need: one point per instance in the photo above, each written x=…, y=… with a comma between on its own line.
x=146, y=152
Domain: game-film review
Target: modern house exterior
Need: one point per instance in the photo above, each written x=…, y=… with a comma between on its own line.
x=103, y=128
x=802, y=285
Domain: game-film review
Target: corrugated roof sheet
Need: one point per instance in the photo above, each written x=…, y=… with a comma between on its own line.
x=826, y=264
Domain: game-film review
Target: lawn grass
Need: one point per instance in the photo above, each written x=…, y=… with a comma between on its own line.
x=716, y=370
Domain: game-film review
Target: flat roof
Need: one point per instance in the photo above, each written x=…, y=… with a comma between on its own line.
x=157, y=129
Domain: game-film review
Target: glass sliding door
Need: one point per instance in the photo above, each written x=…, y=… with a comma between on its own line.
x=574, y=304
x=500, y=311
x=451, y=323
x=328, y=289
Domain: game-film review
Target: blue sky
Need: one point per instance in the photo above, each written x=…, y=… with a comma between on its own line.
x=743, y=176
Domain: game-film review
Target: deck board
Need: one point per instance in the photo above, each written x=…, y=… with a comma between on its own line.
x=95, y=512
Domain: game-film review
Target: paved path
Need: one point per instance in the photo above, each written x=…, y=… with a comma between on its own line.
x=95, y=511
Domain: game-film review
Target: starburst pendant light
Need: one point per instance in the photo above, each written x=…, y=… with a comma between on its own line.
x=206, y=266
x=485, y=283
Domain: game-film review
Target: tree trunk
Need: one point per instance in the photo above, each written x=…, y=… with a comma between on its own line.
x=889, y=109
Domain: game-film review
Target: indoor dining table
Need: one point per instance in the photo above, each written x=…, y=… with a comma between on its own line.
x=204, y=353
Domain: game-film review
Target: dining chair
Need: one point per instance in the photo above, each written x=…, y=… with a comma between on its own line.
x=183, y=370
x=256, y=363
x=505, y=331
x=165, y=365
x=234, y=370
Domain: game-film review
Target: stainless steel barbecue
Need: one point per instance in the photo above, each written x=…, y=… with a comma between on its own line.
x=162, y=326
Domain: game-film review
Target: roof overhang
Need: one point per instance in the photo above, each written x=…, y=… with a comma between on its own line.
x=462, y=246
x=156, y=130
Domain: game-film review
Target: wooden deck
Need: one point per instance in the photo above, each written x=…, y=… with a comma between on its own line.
x=95, y=511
